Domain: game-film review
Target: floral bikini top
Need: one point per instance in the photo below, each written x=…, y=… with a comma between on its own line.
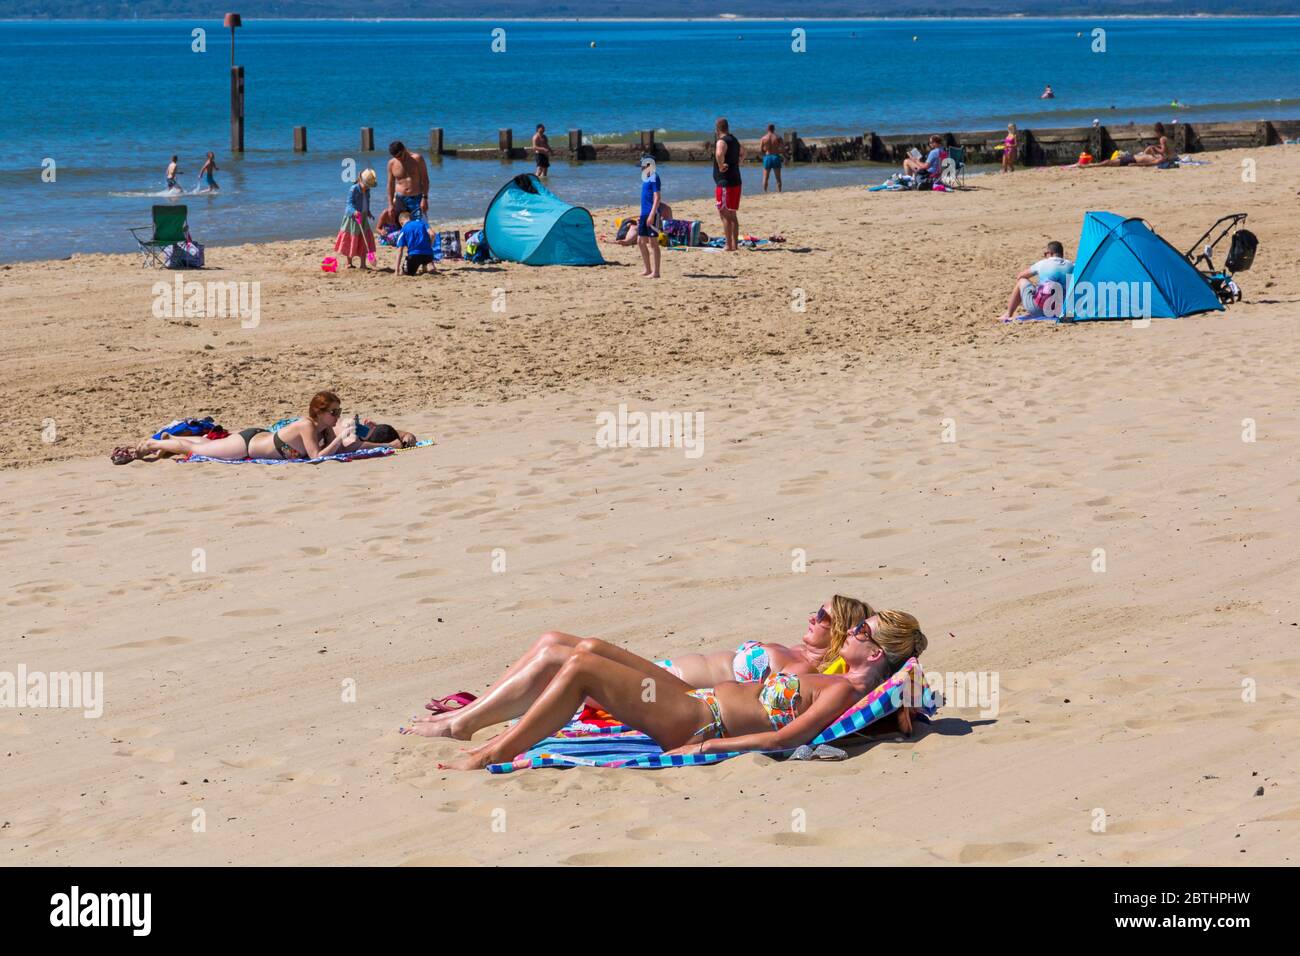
x=779, y=696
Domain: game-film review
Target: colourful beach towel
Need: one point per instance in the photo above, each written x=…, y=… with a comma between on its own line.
x=622, y=747
x=342, y=456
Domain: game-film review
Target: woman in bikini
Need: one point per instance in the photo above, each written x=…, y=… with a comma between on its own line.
x=779, y=712
x=897, y=637
x=310, y=437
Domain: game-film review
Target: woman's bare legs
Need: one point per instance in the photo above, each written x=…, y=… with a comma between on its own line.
x=662, y=710
x=524, y=683
x=232, y=446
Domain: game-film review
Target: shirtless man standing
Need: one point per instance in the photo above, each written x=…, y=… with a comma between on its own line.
x=771, y=147
x=408, y=182
x=173, y=170
x=542, y=149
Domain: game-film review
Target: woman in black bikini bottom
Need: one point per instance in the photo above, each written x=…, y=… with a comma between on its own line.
x=312, y=436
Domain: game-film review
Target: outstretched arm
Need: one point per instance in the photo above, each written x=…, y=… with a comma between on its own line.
x=829, y=704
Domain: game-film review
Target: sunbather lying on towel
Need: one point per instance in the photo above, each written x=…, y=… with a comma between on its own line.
x=892, y=637
x=779, y=712
x=310, y=437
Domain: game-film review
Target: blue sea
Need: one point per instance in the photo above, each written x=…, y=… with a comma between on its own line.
x=108, y=102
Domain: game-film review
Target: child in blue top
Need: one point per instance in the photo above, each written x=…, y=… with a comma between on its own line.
x=647, y=234
x=415, y=242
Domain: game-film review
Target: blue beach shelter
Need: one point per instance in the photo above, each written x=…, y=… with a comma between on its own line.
x=1123, y=265
x=526, y=222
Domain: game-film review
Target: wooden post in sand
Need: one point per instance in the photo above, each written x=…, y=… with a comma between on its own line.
x=300, y=139
x=575, y=144
x=648, y=141
x=792, y=140
x=236, y=109
x=367, y=139
x=505, y=142
x=435, y=141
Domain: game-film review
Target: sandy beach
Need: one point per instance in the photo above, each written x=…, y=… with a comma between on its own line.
x=1159, y=694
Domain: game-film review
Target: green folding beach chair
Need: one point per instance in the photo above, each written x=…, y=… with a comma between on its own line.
x=170, y=226
x=958, y=156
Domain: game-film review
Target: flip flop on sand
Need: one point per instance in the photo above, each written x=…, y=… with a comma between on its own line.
x=123, y=455
x=441, y=705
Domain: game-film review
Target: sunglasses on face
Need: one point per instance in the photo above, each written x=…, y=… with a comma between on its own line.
x=864, y=626
x=822, y=616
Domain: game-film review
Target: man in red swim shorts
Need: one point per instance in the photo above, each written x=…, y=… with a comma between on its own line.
x=727, y=156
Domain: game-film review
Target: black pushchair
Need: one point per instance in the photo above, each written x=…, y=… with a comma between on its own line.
x=1241, y=254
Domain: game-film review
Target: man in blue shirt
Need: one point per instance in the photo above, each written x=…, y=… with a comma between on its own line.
x=415, y=243
x=933, y=162
x=647, y=234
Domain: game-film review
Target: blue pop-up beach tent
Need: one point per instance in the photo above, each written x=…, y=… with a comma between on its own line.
x=526, y=222
x=1123, y=264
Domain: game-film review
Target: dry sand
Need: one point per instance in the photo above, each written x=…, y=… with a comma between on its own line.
x=1161, y=692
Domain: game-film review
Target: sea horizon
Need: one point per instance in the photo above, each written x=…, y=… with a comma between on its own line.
x=114, y=135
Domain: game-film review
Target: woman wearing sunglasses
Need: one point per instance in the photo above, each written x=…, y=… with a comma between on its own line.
x=896, y=638
x=779, y=712
x=313, y=436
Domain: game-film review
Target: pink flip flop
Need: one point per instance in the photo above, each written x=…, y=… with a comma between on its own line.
x=441, y=705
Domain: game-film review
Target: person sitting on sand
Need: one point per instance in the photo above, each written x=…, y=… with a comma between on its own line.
x=895, y=635
x=310, y=437
x=1160, y=148
x=932, y=163
x=415, y=242
x=1038, y=285
x=627, y=227
x=780, y=711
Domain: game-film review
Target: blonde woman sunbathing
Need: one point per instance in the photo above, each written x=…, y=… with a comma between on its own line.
x=896, y=638
x=779, y=712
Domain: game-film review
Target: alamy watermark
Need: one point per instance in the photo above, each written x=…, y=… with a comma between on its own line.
x=68, y=690
x=624, y=429
x=209, y=300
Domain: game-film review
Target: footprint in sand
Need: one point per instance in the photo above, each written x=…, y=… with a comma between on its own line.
x=984, y=852
x=253, y=612
x=141, y=732
x=668, y=833
x=151, y=754
x=882, y=533
x=422, y=573
x=254, y=763
x=544, y=538
x=171, y=640
x=312, y=552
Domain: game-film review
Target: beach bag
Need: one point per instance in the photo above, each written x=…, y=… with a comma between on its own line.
x=1043, y=295
x=683, y=232
x=475, y=247
x=1241, y=254
x=446, y=245
x=183, y=255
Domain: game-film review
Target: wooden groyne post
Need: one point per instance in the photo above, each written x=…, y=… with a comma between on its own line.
x=367, y=139
x=232, y=21
x=435, y=142
x=300, y=139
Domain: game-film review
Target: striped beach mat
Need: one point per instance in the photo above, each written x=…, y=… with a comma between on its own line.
x=622, y=747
